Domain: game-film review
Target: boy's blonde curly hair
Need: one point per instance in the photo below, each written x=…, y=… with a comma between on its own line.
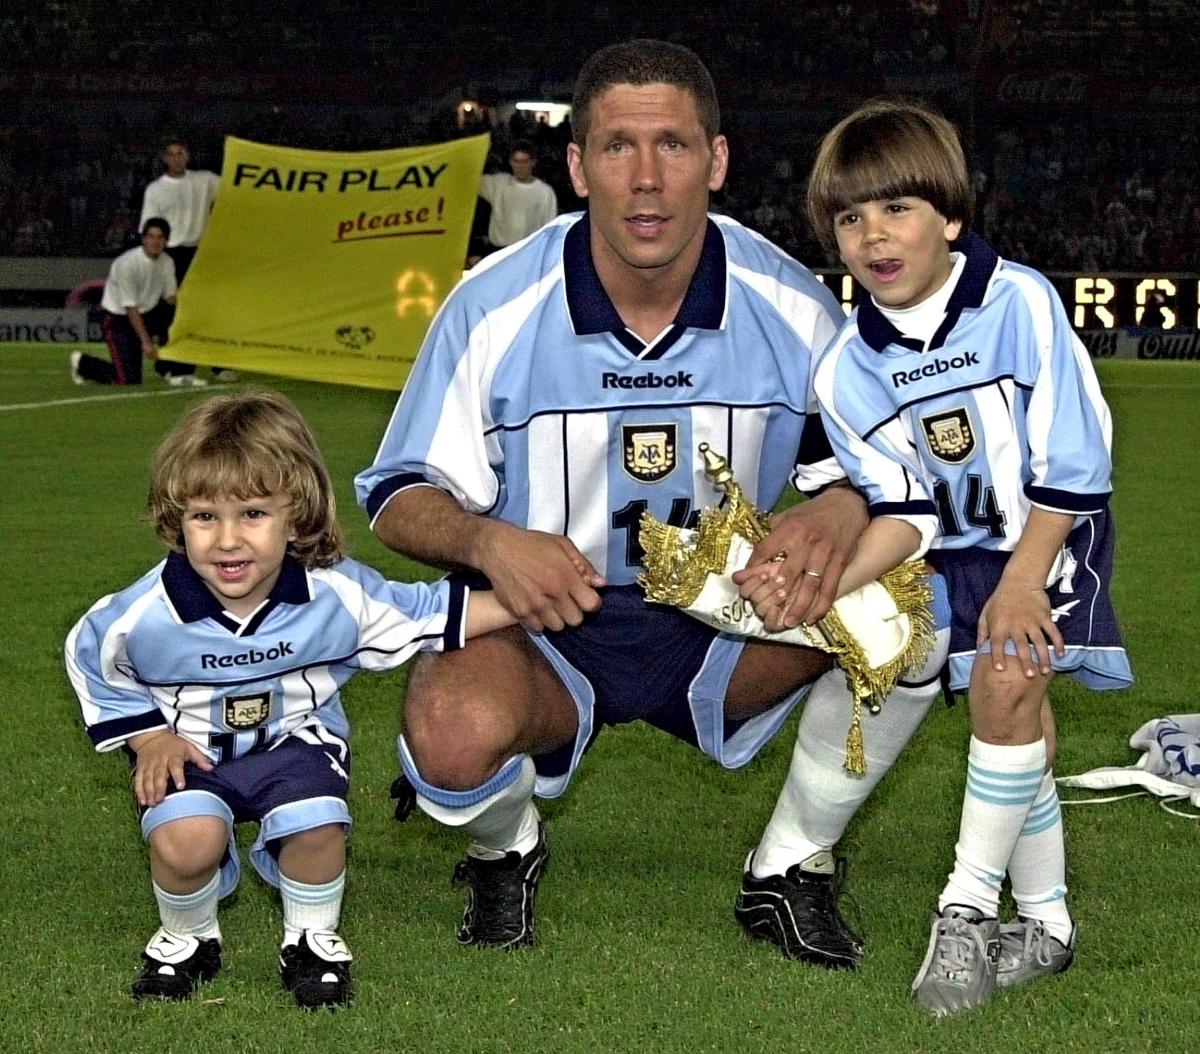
x=247, y=445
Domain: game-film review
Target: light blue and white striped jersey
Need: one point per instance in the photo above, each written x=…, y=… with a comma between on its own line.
x=1001, y=410
x=164, y=653
x=532, y=402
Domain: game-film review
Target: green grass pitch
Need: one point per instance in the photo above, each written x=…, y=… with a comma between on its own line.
x=638, y=948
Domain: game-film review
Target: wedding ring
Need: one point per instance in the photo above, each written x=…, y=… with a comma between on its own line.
x=813, y=574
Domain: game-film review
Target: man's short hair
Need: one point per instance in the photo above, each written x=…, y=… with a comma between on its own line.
x=160, y=223
x=642, y=62
x=522, y=146
x=888, y=148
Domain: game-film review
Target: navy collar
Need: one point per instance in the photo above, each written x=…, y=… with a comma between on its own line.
x=591, y=309
x=193, y=601
x=981, y=264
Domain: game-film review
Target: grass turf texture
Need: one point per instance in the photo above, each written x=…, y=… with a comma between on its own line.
x=638, y=949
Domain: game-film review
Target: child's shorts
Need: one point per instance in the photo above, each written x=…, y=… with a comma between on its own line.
x=1079, y=601
x=298, y=783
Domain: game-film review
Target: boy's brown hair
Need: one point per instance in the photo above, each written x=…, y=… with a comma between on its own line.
x=247, y=445
x=888, y=148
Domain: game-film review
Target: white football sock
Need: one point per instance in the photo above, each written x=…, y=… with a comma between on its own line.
x=1038, y=868
x=310, y=907
x=191, y=914
x=819, y=796
x=499, y=816
x=1002, y=782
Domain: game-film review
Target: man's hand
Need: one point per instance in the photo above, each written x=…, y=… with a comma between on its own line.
x=148, y=349
x=162, y=756
x=1020, y=611
x=541, y=578
x=817, y=539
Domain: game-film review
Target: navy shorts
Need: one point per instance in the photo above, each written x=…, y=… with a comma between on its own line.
x=298, y=784
x=634, y=661
x=1079, y=601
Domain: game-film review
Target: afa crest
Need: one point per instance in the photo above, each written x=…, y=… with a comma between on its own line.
x=247, y=711
x=950, y=435
x=648, y=451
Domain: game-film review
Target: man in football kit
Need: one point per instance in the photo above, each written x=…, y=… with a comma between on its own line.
x=562, y=391
x=220, y=670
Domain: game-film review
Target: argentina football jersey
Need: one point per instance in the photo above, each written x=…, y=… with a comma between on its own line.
x=551, y=414
x=1000, y=411
x=164, y=654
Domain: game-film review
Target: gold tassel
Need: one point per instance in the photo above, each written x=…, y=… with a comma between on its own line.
x=675, y=571
x=856, y=758
x=913, y=596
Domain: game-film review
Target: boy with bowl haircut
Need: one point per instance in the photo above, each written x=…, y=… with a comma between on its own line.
x=959, y=400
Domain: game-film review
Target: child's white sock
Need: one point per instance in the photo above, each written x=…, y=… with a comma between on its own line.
x=191, y=914
x=310, y=907
x=1038, y=868
x=1002, y=782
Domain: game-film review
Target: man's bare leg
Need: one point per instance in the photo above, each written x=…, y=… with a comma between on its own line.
x=472, y=719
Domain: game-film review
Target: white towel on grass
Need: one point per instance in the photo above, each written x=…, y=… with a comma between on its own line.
x=1168, y=768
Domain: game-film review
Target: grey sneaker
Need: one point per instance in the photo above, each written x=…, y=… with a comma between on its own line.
x=959, y=971
x=1027, y=952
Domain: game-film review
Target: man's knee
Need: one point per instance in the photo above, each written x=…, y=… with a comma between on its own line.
x=458, y=742
x=466, y=714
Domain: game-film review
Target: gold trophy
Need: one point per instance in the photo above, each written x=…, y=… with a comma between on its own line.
x=875, y=633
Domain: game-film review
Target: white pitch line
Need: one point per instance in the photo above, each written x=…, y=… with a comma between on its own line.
x=97, y=399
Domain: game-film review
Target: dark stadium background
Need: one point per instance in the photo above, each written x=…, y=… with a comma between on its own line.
x=1079, y=118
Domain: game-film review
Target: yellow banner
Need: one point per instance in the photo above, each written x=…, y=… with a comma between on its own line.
x=327, y=266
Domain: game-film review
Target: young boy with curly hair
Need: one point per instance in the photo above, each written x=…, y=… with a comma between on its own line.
x=220, y=670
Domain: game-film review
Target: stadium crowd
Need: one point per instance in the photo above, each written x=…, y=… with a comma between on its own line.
x=1075, y=185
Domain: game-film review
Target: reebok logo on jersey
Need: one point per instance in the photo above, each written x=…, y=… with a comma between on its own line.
x=252, y=657
x=678, y=379
x=934, y=369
